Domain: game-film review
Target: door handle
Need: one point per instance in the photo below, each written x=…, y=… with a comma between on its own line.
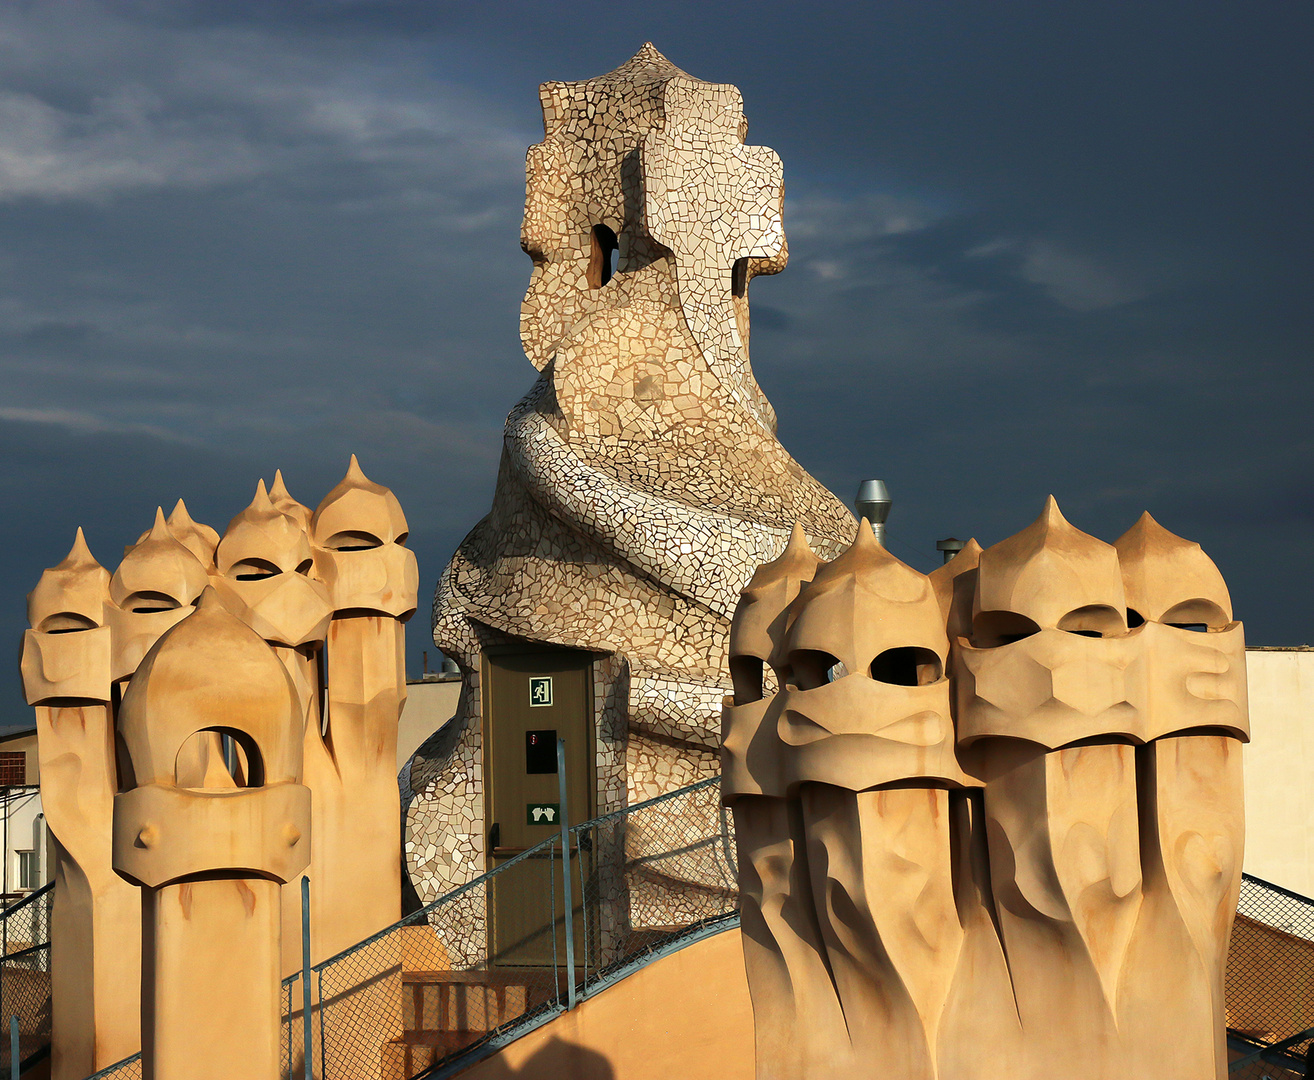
x=495, y=836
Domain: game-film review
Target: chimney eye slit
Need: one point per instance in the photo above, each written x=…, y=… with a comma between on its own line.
x=353, y=541
x=812, y=668
x=907, y=665
x=992, y=629
x=66, y=622
x=150, y=603
x=1198, y=615
x=753, y=679
x=603, y=246
x=746, y=673
x=1094, y=621
x=304, y=567
x=1134, y=619
x=254, y=570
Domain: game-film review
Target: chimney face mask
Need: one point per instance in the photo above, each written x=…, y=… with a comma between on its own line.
x=1049, y=657
x=263, y=568
x=1192, y=659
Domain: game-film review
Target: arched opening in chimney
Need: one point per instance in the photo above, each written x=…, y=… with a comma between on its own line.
x=739, y=278
x=602, y=256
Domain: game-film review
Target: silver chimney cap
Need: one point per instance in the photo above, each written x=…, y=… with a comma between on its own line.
x=873, y=503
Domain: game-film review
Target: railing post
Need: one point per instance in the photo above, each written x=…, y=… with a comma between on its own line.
x=305, y=976
x=584, y=904
x=13, y=1047
x=323, y=1053
x=565, y=874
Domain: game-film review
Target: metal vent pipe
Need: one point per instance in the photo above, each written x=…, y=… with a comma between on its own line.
x=873, y=503
x=950, y=546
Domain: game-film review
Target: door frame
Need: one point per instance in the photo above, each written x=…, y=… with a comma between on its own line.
x=485, y=734
x=587, y=658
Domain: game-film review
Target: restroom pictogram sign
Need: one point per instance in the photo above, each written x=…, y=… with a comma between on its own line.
x=542, y=813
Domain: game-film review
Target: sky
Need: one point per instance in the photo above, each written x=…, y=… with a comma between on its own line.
x=1035, y=248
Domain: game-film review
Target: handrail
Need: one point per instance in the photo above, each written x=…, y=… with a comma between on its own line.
x=9, y=957
x=6, y=912
x=696, y=840
x=475, y=882
x=1291, y=894
x=110, y=1070
x=414, y=916
x=627, y=811
x=1275, y=1049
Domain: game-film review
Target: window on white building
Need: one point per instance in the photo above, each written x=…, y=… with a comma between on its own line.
x=29, y=870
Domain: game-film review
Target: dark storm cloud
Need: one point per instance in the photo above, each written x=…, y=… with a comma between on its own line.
x=1034, y=248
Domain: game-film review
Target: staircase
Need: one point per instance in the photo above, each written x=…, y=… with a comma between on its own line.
x=444, y=1012
x=492, y=960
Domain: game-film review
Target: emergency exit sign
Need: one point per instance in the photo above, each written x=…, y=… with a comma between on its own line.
x=542, y=813
x=540, y=690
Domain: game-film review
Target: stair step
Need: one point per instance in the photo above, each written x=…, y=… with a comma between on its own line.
x=445, y=1001
x=421, y=948
x=415, y=1052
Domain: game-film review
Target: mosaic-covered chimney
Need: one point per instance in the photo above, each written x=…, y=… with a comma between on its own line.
x=641, y=479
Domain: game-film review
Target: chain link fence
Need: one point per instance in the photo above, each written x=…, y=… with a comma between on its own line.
x=25, y=976
x=1270, y=982
x=503, y=953
x=467, y=967
x=127, y=1069
x=487, y=962
x=650, y=875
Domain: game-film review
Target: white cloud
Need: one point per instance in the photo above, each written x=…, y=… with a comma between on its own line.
x=80, y=423
x=123, y=143
x=866, y=216
x=827, y=269
x=1074, y=281
x=991, y=248
x=96, y=107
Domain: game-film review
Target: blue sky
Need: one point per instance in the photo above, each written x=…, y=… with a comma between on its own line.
x=1035, y=248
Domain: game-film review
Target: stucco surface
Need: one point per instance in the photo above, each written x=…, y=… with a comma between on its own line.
x=969, y=859
x=687, y=1015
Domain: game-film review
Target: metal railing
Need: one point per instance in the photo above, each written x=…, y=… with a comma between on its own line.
x=479, y=967
x=128, y=1069
x=1270, y=982
x=652, y=874
x=25, y=978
